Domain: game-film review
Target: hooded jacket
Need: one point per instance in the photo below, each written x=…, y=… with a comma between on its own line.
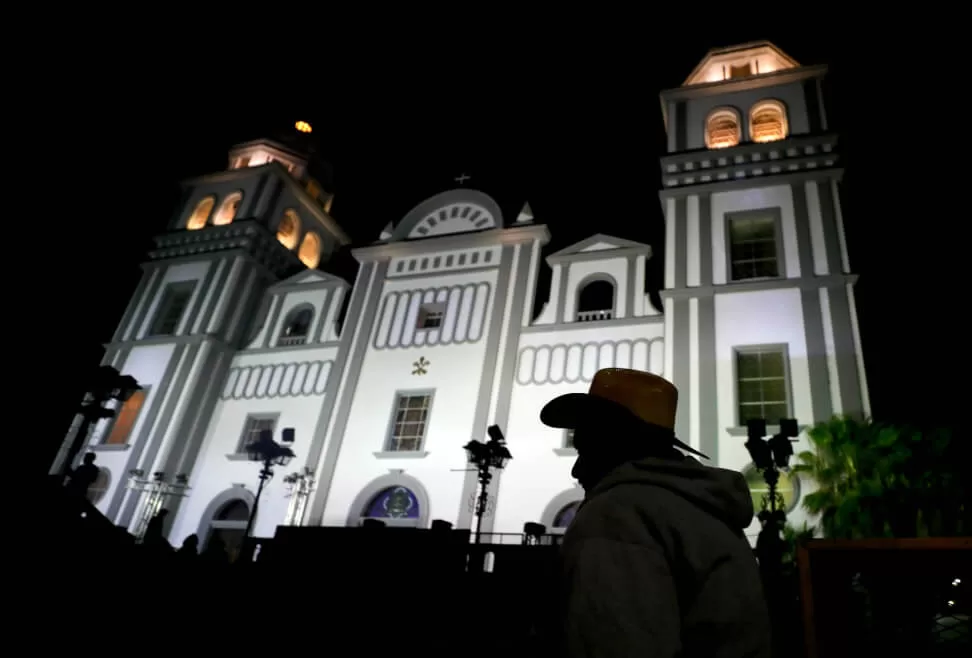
x=656, y=564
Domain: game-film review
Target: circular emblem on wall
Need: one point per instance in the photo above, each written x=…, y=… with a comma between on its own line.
x=398, y=503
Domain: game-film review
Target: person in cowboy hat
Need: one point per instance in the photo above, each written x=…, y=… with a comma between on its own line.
x=655, y=560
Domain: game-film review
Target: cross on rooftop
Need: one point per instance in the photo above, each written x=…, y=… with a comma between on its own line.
x=462, y=178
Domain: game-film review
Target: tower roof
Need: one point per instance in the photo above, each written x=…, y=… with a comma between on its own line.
x=753, y=58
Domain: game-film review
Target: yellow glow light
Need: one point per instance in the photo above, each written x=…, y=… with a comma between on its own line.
x=302, y=126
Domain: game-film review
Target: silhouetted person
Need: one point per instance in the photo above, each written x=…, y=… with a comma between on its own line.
x=189, y=550
x=655, y=561
x=155, y=532
x=83, y=476
x=215, y=551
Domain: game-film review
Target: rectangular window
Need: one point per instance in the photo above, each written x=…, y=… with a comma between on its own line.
x=568, y=438
x=252, y=428
x=753, y=246
x=410, y=422
x=124, y=420
x=762, y=386
x=430, y=316
x=173, y=304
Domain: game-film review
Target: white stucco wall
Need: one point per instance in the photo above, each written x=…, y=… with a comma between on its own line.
x=147, y=365
x=455, y=354
x=290, y=384
x=777, y=196
x=453, y=379
x=548, y=365
x=583, y=272
x=769, y=317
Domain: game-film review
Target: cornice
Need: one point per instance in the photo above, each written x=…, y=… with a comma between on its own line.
x=489, y=238
x=227, y=175
x=599, y=254
x=750, y=164
x=245, y=236
x=720, y=87
x=801, y=283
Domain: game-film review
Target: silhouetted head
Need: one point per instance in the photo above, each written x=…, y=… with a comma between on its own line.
x=625, y=416
x=603, y=446
x=89, y=458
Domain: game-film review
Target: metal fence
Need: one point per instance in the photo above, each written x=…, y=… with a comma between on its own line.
x=886, y=597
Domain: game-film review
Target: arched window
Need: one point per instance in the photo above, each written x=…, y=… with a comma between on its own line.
x=767, y=121
x=99, y=487
x=565, y=516
x=788, y=487
x=595, y=301
x=310, y=250
x=722, y=128
x=296, y=326
x=227, y=211
x=396, y=506
x=289, y=229
x=200, y=215
x=229, y=525
x=559, y=512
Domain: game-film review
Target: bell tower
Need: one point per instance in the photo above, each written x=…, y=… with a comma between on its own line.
x=203, y=295
x=759, y=299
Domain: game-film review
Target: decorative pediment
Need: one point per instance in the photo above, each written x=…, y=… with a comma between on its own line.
x=743, y=61
x=306, y=279
x=599, y=244
x=456, y=211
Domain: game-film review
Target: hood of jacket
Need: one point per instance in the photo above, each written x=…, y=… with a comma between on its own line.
x=720, y=492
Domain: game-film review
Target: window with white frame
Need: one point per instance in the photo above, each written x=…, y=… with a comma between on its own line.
x=596, y=300
x=296, y=326
x=762, y=383
x=252, y=427
x=410, y=422
x=754, y=245
x=173, y=304
x=430, y=316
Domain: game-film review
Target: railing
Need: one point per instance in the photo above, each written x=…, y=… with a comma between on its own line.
x=594, y=316
x=284, y=341
x=516, y=539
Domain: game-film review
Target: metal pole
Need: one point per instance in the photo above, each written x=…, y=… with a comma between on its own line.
x=77, y=442
x=264, y=476
x=484, y=477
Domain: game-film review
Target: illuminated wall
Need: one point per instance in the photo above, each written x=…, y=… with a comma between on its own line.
x=442, y=311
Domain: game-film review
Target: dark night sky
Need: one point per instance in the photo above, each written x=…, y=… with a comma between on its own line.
x=579, y=136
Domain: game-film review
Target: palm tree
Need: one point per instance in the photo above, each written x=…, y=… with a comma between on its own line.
x=878, y=480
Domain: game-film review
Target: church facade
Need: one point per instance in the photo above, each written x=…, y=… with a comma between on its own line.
x=385, y=380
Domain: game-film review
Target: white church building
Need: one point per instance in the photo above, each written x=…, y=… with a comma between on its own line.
x=384, y=380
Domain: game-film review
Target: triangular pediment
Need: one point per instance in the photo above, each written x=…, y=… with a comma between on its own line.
x=599, y=242
x=309, y=278
x=745, y=60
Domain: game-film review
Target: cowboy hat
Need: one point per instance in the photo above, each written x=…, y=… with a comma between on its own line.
x=647, y=397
